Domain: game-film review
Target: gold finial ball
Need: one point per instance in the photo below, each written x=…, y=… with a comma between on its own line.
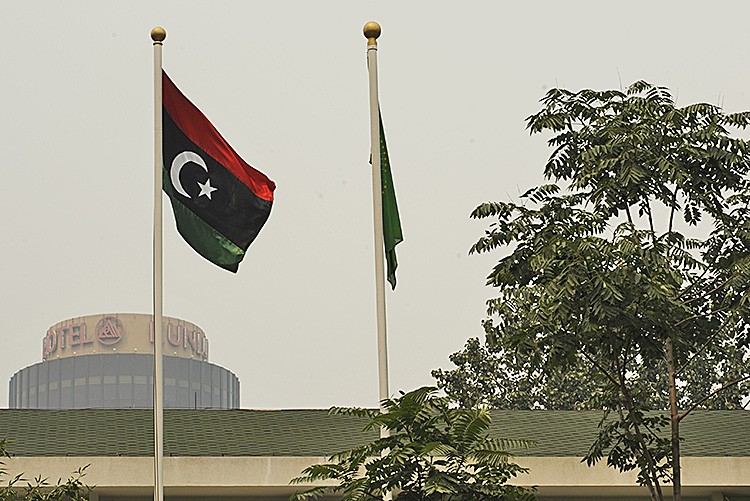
x=158, y=34
x=372, y=30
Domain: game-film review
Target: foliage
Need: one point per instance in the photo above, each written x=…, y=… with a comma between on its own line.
x=432, y=452
x=500, y=379
x=598, y=275
x=623, y=446
x=486, y=375
x=40, y=489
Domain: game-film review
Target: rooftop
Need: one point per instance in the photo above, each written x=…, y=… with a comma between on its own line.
x=247, y=433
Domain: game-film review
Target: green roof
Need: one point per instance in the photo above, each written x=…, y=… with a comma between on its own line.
x=129, y=432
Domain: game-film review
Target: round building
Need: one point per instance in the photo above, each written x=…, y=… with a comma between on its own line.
x=107, y=361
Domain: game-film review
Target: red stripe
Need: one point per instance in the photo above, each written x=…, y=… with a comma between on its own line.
x=196, y=126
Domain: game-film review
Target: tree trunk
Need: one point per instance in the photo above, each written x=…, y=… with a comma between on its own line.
x=675, y=421
x=653, y=486
x=651, y=490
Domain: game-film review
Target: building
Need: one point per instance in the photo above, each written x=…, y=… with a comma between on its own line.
x=107, y=361
x=86, y=403
x=235, y=455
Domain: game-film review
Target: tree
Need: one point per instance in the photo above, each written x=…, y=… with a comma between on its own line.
x=598, y=269
x=433, y=453
x=40, y=489
x=486, y=375
x=499, y=379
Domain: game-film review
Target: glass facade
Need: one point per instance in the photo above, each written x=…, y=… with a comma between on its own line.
x=122, y=381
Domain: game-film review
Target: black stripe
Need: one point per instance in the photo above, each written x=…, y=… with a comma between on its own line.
x=233, y=210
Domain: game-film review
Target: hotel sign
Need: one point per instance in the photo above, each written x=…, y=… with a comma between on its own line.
x=123, y=333
x=69, y=336
x=109, y=330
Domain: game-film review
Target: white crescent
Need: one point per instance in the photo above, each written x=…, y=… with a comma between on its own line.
x=178, y=163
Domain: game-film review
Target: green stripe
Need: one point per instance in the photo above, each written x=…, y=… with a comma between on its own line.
x=206, y=241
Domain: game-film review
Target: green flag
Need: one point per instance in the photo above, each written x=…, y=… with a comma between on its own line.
x=391, y=222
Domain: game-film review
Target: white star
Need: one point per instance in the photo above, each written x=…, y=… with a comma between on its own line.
x=206, y=189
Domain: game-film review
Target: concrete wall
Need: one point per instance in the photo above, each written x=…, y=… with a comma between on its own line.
x=196, y=478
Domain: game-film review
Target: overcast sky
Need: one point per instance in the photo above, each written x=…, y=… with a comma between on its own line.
x=286, y=84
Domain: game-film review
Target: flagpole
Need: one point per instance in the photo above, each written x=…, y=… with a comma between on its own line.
x=158, y=35
x=372, y=32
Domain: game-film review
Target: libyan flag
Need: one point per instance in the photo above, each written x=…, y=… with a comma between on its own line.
x=220, y=202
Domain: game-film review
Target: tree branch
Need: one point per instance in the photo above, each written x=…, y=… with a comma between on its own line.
x=711, y=395
x=604, y=371
x=701, y=315
x=650, y=221
x=673, y=209
x=715, y=289
x=691, y=286
x=694, y=355
x=630, y=405
x=630, y=216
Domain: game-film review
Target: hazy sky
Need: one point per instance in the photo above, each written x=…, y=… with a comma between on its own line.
x=286, y=84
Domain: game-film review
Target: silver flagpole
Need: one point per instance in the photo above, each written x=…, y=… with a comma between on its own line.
x=158, y=35
x=372, y=32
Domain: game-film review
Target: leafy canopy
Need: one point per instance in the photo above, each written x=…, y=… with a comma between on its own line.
x=433, y=452
x=590, y=275
x=500, y=379
x=601, y=276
